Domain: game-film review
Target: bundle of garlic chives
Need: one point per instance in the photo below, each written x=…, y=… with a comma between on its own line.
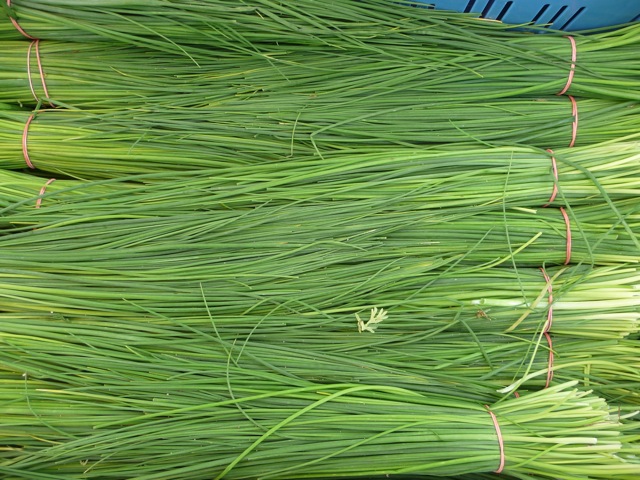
x=307, y=84
x=405, y=208
x=20, y=190
x=90, y=74
x=475, y=59
x=610, y=368
x=192, y=340
x=391, y=357
x=437, y=176
x=109, y=416
x=600, y=304
x=391, y=227
x=429, y=179
x=249, y=130
x=341, y=256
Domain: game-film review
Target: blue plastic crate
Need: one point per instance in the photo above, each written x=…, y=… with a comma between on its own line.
x=559, y=14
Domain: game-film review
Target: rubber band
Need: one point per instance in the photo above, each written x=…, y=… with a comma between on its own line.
x=554, y=166
x=574, y=125
x=549, y=322
x=547, y=328
x=36, y=43
x=33, y=91
x=574, y=57
x=569, y=239
x=500, y=439
x=41, y=71
x=554, y=193
x=25, y=136
x=550, y=362
x=17, y=25
x=43, y=190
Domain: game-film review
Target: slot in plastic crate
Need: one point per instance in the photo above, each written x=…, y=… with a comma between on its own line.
x=559, y=14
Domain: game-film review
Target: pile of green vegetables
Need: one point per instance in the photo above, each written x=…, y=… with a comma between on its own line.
x=281, y=240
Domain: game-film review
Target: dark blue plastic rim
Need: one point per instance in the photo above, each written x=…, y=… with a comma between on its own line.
x=557, y=14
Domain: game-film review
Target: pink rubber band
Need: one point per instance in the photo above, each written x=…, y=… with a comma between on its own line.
x=36, y=43
x=554, y=193
x=33, y=91
x=43, y=190
x=569, y=239
x=17, y=25
x=574, y=126
x=554, y=166
x=550, y=362
x=500, y=439
x=547, y=328
x=574, y=57
x=549, y=322
x=25, y=136
x=42, y=79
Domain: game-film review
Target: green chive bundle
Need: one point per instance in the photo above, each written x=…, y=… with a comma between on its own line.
x=246, y=130
x=121, y=76
x=434, y=178
x=340, y=257
x=108, y=150
x=439, y=336
x=377, y=43
x=125, y=410
x=386, y=228
x=324, y=86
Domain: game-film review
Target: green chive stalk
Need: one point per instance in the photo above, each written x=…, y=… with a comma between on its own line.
x=454, y=55
x=9, y=107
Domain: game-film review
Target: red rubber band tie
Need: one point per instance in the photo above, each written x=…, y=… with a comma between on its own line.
x=25, y=137
x=500, y=439
x=43, y=190
x=547, y=328
x=36, y=44
x=551, y=360
x=569, y=239
x=574, y=57
x=29, y=76
x=17, y=25
x=549, y=322
x=554, y=167
x=574, y=125
x=554, y=193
